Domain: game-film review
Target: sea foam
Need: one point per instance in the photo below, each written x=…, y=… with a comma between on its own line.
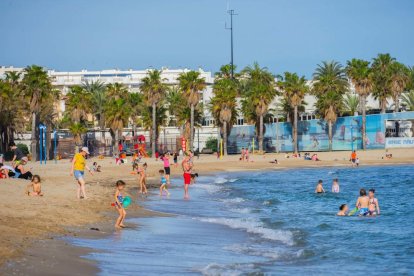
x=254, y=226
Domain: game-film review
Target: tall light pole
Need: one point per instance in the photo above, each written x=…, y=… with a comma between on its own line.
x=231, y=12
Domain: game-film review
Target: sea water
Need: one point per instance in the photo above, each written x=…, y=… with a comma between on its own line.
x=270, y=223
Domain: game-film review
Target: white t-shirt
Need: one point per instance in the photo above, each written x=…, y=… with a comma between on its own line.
x=10, y=168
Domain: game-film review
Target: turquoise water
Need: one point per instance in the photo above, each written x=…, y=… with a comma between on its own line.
x=270, y=223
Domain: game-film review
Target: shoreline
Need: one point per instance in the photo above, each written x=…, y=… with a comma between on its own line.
x=29, y=246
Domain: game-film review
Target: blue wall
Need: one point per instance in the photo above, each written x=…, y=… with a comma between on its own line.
x=313, y=134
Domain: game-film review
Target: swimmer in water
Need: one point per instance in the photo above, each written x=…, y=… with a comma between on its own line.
x=343, y=210
x=362, y=203
x=335, y=186
x=319, y=188
x=373, y=206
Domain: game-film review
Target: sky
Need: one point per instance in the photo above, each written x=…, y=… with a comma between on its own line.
x=282, y=35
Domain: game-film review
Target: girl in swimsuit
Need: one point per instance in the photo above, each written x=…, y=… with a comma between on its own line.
x=142, y=179
x=373, y=203
x=119, y=199
x=35, y=185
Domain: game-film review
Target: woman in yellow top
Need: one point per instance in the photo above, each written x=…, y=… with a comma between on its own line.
x=78, y=170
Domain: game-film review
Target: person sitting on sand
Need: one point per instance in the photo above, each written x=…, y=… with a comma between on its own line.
x=315, y=157
x=163, y=182
x=21, y=171
x=96, y=167
x=319, y=187
x=362, y=203
x=373, y=206
x=6, y=171
x=143, y=179
x=35, y=185
x=119, y=200
x=335, y=186
x=343, y=210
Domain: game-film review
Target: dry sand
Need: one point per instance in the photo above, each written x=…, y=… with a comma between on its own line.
x=27, y=221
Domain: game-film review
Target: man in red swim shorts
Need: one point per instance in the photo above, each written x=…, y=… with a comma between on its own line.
x=187, y=175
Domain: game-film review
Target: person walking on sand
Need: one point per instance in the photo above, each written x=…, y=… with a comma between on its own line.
x=143, y=179
x=78, y=170
x=166, y=160
x=354, y=158
x=186, y=166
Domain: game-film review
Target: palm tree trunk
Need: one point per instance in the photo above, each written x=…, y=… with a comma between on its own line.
x=192, y=128
x=225, y=138
x=383, y=105
x=102, y=127
x=116, y=149
x=396, y=104
x=295, y=129
x=364, y=122
x=154, y=129
x=261, y=134
x=33, y=145
x=330, y=134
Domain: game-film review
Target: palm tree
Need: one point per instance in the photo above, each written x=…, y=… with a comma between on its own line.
x=330, y=83
x=223, y=105
x=77, y=130
x=400, y=78
x=154, y=90
x=191, y=84
x=408, y=100
x=36, y=86
x=382, y=79
x=78, y=106
x=147, y=120
x=294, y=89
x=350, y=104
x=259, y=92
x=182, y=114
x=360, y=74
x=117, y=114
x=97, y=91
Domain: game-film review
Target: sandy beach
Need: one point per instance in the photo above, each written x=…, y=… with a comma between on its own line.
x=26, y=222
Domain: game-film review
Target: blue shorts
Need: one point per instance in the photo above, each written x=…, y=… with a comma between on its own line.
x=78, y=174
x=363, y=211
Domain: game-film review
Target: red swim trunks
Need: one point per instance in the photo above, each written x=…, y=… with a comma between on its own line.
x=187, y=178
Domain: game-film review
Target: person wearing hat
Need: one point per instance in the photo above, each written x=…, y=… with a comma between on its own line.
x=78, y=170
x=20, y=170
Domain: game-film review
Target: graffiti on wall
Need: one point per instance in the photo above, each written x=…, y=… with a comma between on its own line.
x=313, y=134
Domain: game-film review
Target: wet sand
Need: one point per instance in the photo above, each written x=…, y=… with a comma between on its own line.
x=29, y=225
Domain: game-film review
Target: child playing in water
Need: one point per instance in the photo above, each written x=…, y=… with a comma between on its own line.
x=343, y=210
x=35, y=185
x=362, y=203
x=319, y=188
x=335, y=186
x=120, y=185
x=143, y=179
x=163, y=183
x=373, y=206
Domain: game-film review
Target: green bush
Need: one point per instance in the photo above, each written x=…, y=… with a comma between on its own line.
x=23, y=148
x=212, y=144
